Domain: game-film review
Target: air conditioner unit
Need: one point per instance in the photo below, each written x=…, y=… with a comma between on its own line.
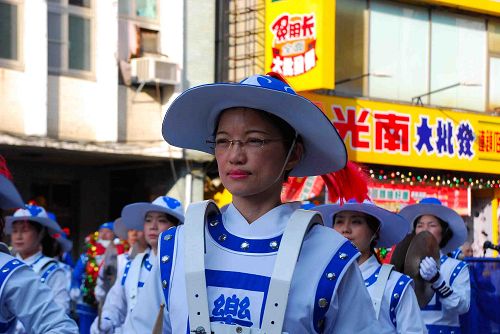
x=152, y=70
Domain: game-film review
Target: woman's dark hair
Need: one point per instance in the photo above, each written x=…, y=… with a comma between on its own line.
x=173, y=220
x=374, y=225
x=49, y=244
x=446, y=232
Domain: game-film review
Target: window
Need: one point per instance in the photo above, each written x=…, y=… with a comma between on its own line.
x=9, y=32
x=139, y=28
x=458, y=58
x=139, y=9
x=350, y=47
x=399, y=48
x=70, y=32
x=405, y=52
x=494, y=66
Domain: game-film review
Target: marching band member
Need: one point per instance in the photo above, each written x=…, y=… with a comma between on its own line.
x=150, y=219
x=85, y=274
x=63, y=247
x=249, y=269
x=23, y=297
x=450, y=281
x=136, y=243
x=31, y=230
x=369, y=226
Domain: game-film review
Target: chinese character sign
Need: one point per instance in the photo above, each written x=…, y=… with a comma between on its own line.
x=403, y=135
x=300, y=42
x=394, y=197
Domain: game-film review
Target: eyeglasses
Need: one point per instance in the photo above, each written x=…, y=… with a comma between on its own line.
x=250, y=143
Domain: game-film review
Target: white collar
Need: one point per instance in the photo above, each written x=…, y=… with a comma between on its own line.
x=269, y=225
x=369, y=266
x=31, y=259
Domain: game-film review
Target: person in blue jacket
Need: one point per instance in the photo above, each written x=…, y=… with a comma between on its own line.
x=23, y=297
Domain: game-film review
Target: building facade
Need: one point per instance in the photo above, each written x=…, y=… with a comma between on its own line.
x=412, y=86
x=84, y=85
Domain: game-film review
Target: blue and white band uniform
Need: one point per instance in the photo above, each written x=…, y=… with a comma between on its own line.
x=399, y=310
x=327, y=293
x=24, y=298
x=122, y=297
x=441, y=315
x=52, y=274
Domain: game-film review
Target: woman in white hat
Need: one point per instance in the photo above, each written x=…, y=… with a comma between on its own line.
x=246, y=269
x=23, y=297
x=31, y=229
x=150, y=219
x=369, y=226
x=450, y=281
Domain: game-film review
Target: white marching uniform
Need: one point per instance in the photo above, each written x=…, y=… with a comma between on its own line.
x=121, y=261
x=123, y=296
x=397, y=304
x=25, y=299
x=52, y=274
x=451, y=299
x=327, y=293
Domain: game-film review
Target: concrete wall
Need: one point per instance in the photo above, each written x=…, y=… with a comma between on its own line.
x=200, y=42
x=23, y=90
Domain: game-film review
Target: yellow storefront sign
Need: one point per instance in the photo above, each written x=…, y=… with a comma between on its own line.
x=481, y=6
x=407, y=135
x=300, y=42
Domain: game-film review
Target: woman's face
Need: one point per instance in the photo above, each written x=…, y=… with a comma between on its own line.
x=429, y=223
x=132, y=236
x=154, y=224
x=106, y=234
x=25, y=238
x=248, y=171
x=354, y=226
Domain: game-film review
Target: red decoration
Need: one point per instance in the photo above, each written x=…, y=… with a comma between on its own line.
x=348, y=183
x=3, y=168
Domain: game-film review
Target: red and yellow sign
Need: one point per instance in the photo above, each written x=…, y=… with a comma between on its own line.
x=481, y=6
x=407, y=135
x=394, y=197
x=300, y=42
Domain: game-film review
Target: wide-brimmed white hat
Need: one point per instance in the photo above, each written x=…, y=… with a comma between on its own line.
x=393, y=227
x=62, y=239
x=433, y=206
x=121, y=231
x=9, y=196
x=133, y=214
x=191, y=119
x=32, y=213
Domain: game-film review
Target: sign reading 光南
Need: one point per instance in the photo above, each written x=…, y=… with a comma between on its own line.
x=405, y=135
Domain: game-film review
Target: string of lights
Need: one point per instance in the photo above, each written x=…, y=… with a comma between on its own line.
x=436, y=178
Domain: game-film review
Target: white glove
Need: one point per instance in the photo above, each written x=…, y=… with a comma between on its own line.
x=74, y=294
x=106, y=326
x=428, y=269
x=99, y=292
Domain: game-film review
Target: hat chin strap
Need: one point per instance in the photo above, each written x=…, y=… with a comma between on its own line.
x=278, y=178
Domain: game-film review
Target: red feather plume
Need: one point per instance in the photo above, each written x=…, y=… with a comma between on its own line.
x=3, y=168
x=351, y=182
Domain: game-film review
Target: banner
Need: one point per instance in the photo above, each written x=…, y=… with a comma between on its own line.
x=413, y=136
x=394, y=197
x=485, y=297
x=302, y=188
x=300, y=42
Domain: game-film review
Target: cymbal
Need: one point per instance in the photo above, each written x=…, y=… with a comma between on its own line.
x=399, y=255
x=423, y=245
